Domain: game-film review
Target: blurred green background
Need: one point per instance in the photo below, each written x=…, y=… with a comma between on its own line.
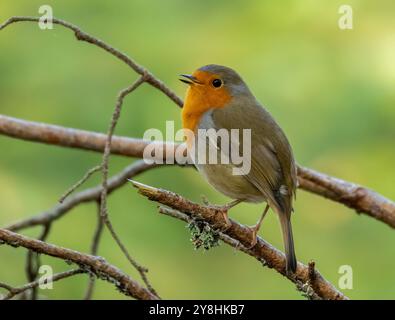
x=331, y=90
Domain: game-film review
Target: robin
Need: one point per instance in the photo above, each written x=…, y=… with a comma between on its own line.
x=218, y=98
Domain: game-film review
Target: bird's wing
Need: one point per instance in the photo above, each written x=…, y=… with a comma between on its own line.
x=273, y=169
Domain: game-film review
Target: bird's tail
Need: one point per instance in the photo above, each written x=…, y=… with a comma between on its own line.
x=286, y=228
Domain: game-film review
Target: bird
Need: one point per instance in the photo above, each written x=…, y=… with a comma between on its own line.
x=218, y=98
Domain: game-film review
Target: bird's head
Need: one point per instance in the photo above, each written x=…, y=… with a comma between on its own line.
x=212, y=86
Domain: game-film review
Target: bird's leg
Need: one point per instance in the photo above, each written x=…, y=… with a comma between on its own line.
x=231, y=204
x=224, y=208
x=256, y=228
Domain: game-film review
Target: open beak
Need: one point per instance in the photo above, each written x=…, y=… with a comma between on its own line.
x=188, y=79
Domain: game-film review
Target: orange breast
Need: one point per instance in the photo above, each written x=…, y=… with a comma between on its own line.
x=200, y=98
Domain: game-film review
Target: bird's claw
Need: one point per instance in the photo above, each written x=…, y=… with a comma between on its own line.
x=225, y=216
x=254, y=231
x=223, y=210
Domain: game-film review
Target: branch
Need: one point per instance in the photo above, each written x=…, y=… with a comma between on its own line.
x=33, y=261
x=306, y=288
x=83, y=36
x=87, y=175
x=263, y=251
x=34, y=284
x=103, y=196
x=88, y=263
x=94, y=250
x=354, y=196
x=361, y=199
x=71, y=138
x=88, y=195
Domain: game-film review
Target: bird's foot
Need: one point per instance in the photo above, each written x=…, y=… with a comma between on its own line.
x=223, y=210
x=226, y=207
x=225, y=217
x=254, y=230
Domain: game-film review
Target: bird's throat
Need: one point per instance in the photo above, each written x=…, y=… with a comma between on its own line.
x=198, y=101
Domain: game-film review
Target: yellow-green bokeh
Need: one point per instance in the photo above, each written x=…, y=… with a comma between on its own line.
x=331, y=90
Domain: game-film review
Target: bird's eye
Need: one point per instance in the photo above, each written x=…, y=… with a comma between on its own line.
x=217, y=83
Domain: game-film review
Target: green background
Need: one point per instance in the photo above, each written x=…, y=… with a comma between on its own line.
x=331, y=90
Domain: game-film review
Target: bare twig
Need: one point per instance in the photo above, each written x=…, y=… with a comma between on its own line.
x=310, y=288
x=88, y=195
x=263, y=251
x=94, y=251
x=312, y=273
x=356, y=197
x=83, y=36
x=103, y=197
x=86, y=262
x=87, y=175
x=33, y=262
x=34, y=284
x=6, y=286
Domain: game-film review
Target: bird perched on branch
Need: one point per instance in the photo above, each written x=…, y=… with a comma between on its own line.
x=218, y=98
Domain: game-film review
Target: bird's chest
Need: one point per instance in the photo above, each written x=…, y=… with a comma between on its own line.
x=205, y=148
x=214, y=164
x=206, y=121
x=204, y=144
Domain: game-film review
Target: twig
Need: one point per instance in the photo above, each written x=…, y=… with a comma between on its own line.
x=86, y=262
x=103, y=197
x=94, y=251
x=312, y=274
x=88, y=195
x=87, y=175
x=263, y=251
x=83, y=36
x=145, y=76
x=6, y=286
x=310, y=286
x=354, y=196
x=33, y=262
x=34, y=284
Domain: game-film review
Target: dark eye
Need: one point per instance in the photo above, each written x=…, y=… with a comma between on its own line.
x=217, y=83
